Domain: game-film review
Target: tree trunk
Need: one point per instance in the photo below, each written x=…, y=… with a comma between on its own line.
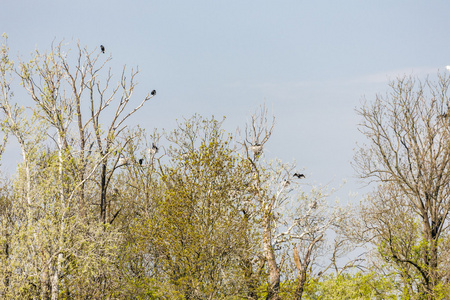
x=269, y=253
x=301, y=276
x=431, y=257
x=44, y=285
x=300, y=286
x=103, y=194
x=250, y=280
x=303, y=267
x=55, y=284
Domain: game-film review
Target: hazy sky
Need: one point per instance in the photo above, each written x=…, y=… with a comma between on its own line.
x=310, y=62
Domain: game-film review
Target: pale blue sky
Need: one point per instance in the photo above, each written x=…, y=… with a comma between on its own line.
x=311, y=62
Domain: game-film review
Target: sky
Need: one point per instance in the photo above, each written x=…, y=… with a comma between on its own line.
x=310, y=62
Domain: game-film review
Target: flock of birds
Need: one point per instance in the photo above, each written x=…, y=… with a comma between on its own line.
x=257, y=148
x=154, y=149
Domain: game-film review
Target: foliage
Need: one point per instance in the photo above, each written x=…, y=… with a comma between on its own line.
x=98, y=210
x=352, y=286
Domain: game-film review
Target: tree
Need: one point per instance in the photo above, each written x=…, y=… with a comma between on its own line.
x=408, y=155
x=313, y=219
x=61, y=239
x=194, y=227
x=100, y=210
x=352, y=286
x=288, y=216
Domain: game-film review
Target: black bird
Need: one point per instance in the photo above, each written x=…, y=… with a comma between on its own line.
x=153, y=93
x=102, y=48
x=141, y=160
x=299, y=175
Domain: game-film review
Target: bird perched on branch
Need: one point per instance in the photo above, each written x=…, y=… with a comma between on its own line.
x=153, y=93
x=102, y=48
x=299, y=175
x=122, y=161
x=153, y=150
x=256, y=148
x=141, y=160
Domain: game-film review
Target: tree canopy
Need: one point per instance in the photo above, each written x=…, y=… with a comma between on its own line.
x=97, y=209
x=100, y=209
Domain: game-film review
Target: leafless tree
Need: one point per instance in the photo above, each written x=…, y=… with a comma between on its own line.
x=408, y=152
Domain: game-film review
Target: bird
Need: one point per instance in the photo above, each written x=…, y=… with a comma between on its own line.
x=299, y=175
x=153, y=150
x=256, y=148
x=141, y=160
x=286, y=182
x=123, y=161
x=102, y=48
x=313, y=205
x=153, y=93
x=90, y=148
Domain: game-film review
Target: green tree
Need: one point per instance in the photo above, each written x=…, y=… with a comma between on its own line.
x=98, y=210
x=195, y=227
x=352, y=286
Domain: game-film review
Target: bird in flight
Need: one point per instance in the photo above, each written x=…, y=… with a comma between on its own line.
x=299, y=175
x=153, y=93
x=102, y=48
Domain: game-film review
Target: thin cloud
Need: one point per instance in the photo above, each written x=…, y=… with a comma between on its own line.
x=382, y=77
x=374, y=78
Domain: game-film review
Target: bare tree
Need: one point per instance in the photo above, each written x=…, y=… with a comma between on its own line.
x=313, y=218
x=408, y=150
x=257, y=133
x=289, y=215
